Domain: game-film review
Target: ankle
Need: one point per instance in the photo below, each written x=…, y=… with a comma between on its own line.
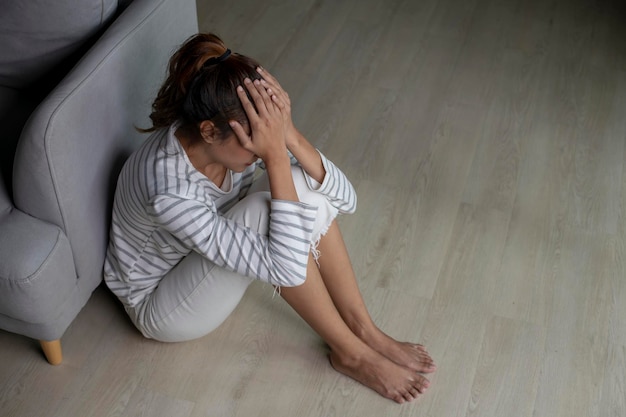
x=367, y=332
x=351, y=356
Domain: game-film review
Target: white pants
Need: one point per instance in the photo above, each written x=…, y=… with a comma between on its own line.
x=196, y=296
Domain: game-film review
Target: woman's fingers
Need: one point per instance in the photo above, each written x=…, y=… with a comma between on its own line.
x=242, y=136
x=279, y=97
x=272, y=83
x=277, y=101
x=267, y=127
x=247, y=105
x=277, y=93
x=262, y=100
x=266, y=94
x=269, y=78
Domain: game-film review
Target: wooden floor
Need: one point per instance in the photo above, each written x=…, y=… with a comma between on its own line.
x=486, y=142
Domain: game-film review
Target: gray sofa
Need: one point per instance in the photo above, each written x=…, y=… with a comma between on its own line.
x=76, y=76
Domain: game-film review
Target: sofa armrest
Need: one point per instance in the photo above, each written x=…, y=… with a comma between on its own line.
x=72, y=148
x=37, y=271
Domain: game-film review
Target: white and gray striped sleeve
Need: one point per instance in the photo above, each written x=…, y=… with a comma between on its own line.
x=280, y=258
x=335, y=186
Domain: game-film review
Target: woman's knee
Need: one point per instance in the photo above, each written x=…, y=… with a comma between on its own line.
x=191, y=301
x=253, y=211
x=305, y=187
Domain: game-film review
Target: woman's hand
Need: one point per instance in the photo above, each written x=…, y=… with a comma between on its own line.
x=267, y=137
x=267, y=122
x=300, y=148
x=280, y=96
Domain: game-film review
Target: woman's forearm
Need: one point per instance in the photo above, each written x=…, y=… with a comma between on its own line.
x=306, y=154
x=281, y=182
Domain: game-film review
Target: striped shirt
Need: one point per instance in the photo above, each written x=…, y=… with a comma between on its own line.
x=164, y=209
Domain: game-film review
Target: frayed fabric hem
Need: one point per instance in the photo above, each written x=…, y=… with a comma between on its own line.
x=314, y=252
x=276, y=291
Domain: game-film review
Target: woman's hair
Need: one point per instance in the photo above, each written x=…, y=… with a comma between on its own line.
x=196, y=90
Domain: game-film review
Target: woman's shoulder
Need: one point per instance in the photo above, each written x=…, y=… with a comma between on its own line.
x=150, y=148
x=155, y=160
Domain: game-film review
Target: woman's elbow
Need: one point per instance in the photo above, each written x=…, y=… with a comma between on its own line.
x=291, y=282
x=288, y=277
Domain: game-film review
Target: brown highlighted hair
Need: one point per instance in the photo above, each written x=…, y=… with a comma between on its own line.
x=194, y=92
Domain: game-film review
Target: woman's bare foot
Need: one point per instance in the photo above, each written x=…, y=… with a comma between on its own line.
x=382, y=375
x=409, y=355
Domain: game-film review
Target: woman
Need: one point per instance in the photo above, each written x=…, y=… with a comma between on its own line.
x=192, y=227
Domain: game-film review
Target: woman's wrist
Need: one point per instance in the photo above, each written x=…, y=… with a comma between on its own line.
x=293, y=139
x=308, y=157
x=276, y=159
x=278, y=170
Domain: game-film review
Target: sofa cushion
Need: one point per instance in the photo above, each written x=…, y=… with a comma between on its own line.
x=40, y=276
x=36, y=35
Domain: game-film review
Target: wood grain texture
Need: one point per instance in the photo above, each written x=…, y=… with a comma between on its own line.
x=486, y=141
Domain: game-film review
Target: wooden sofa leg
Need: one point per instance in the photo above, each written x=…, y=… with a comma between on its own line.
x=52, y=350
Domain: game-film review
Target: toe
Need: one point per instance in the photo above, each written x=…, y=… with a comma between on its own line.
x=421, y=384
x=414, y=392
x=408, y=396
x=420, y=347
x=397, y=397
x=429, y=366
x=425, y=365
